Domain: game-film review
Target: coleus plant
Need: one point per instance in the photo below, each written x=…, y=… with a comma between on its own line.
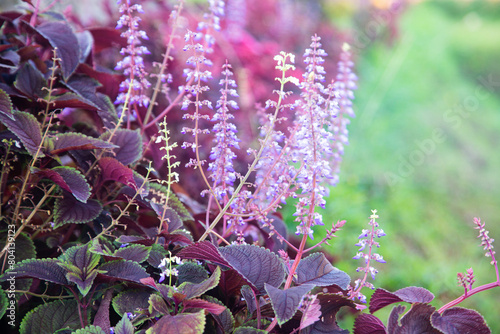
x=98, y=226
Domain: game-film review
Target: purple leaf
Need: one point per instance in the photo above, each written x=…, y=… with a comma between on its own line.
x=51, y=317
x=368, y=324
x=113, y=170
x=381, y=298
x=225, y=319
x=123, y=270
x=286, y=302
x=10, y=60
x=69, y=179
x=316, y=269
x=458, y=320
x=416, y=320
x=61, y=36
x=185, y=323
x=101, y=319
x=330, y=305
x=5, y=106
x=137, y=253
x=86, y=41
x=205, y=251
x=192, y=290
x=44, y=269
x=172, y=219
x=30, y=81
x=393, y=321
x=129, y=145
x=130, y=300
x=256, y=264
x=63, y=142
x=311, y=314
x=249, y=295
x=26, y=128
x=68, y=210
x=191, y=272
x=124, y=326
x=158, y=304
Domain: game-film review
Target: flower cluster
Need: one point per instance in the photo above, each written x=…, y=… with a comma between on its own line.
x=223, y=174
x=486, y=240
x=367, y=239
x=466, y=280
x=133, y=63
x=166, y=267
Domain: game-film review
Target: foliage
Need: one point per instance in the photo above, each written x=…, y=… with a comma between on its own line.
x=128, y=232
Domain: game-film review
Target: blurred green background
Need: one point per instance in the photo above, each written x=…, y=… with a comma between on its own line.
x=425, y=150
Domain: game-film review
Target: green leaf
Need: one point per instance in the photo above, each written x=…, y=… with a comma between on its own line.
x=130, y=300
x=63, y=142
x=137, y=253
x=192, y=290
x=44, y=269
x=286, y=302
x=50, y=317
x=25, y=248
x=249, y=330
x=124, y=270
x=61, y=36
x=26, y=127
x=5, y=105
x=4, y=303
x=129, y=145
x=90, y=330
x=183, y=323
x=124, y=326
x=69, y=210
x=69, y=179
x=80, y=263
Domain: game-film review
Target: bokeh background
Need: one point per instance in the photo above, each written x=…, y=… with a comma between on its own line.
x=425, y=145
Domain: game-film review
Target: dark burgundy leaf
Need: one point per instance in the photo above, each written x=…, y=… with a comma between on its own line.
x=26, y=128
x=63, y=142
x=185, y=323
x=130, y=300
x=191, y=272
x=204, y=304
x=368, y=324
x=69, y=210
x=5, y=106
x=330, y=305
x=101, y=319
x=203, y=251
x=457, y=320
x=381, y=298
x=225, y=319
x=192, y=290
x=61, y=36
x=286, y=302
x=129, y=145
x=416, y=320
x=113, y=170
x=30, y=81
x=316, y=269
x=44, y=269
x=106, y=37
x=69, y=179
x=249, y=295
x=85, y=40
x=124, y=270
x=256, y=264
x=137, y=253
